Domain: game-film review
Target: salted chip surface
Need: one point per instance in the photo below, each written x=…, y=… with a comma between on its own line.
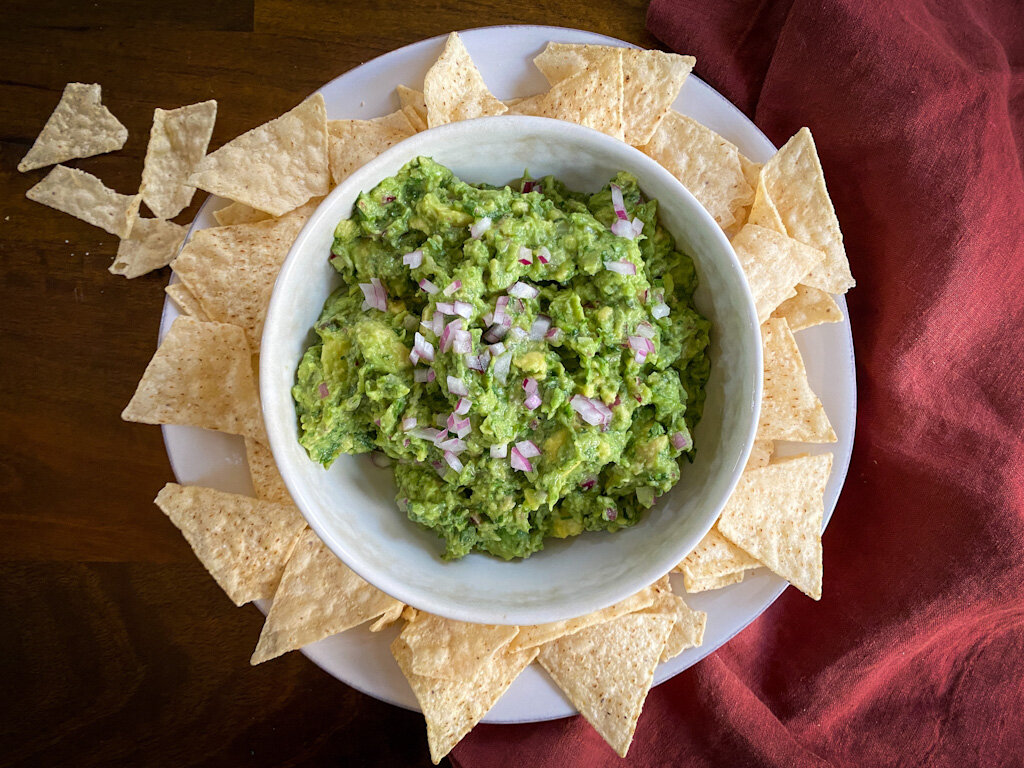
x=591, y=97
x=414, y=106
x=713, y=558
x=539, y=634
x=231, y=270
x=454, y=89
x=687, y=629
x=607, y=670
x=795, y=183
x=275, y=167
x=453, y=650
x=187, y=303
x=789, y=408
x=201, y=376
x=775, y=514
x=319, y=596
x=177, y=142
x=713, y=582
x=773, y=264
x=85, y=197
x=266, y=479
x=760, y=454
x=651, y=81
x=810, y=307
x=239, y=213
x=708, y=165
x=152, y=244
x=80, y=126
x=452, y=707
x=354, y=143
x=244, y=543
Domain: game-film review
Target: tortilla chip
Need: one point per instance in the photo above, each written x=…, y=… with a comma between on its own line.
x=705, y=163
x=152, y=244
x=389, y=617
x=177, y=142
x=187, y=303
x=702, y=584
x=201, y=376
x=239, y=213
x=414, y=106
x=810, y=307
x=454, y=89
x=795, y=184
x=539, y=634
x=687, y=628
x=760, y=454
x=354, y=143
x=266, y=480
x=275, y=167
x=80, y=126
x=775, y=514
x=453, y=650
x=452, y=707
x=231, y=270
x=714, y=557
x=319, y=596
x=789, y=408
x=85, y=197
x=773, y=265
x=591, y=97
x=607, y=670
x=244, y=543
x=651, y=81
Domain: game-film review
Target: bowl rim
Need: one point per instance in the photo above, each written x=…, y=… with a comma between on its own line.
x=367, y=176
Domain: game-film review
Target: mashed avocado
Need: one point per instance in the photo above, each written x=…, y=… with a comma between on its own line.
x=533, y=366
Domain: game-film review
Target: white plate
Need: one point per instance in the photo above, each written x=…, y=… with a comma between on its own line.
x=504, y=56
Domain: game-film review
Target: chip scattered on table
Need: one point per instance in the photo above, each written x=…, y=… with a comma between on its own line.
x=810, y=307
x=177, y=142
x=152, y=244
x=244, y=543
x=200, y=376
x=454, y=89
x=453, y=650
x=80, y=126
x=776, y=513
x=319, y=596
x=354, y=143
x=275, y=167
x=773, y=264
x=85, y=197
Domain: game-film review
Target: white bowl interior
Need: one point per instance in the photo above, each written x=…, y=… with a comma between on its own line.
x=352, y=505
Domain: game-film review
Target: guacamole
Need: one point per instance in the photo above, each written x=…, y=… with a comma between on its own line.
x=528, y=356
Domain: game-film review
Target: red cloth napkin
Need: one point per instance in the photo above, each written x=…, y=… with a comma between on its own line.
x=915, y=654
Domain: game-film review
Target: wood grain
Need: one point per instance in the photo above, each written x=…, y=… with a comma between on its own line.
x=117, y=648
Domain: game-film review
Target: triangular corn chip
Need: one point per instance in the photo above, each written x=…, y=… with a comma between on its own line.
x=239, y=213
x=454, y=89
x=789, y=408
x=354, y=143
x=244, y=543
x=810, y=307
x=187, y=303
x=714, y=557
x=201, y=376
x=152, y=244
x=775, y=514
x=414, y=106
x=452, y=707
x=266, y=480
x=607, y=670
x=85, y=197
x=453, y=650
x=319, y=596
x=703, y=584
x=687, y=629
x=177, y=142
x=773, y=265
x=80, y=126
x=275, y=167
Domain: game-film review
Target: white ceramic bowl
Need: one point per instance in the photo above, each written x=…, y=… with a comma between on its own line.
x=352, y=505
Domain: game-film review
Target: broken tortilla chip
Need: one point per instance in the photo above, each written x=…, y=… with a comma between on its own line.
x=453, y=650
x=152, y=244
x=177, y=142
x=85, y=197
x=275, y=167
x=80, y=126
x=414, y=106
x=239, y=213
x=266, y=480
x=714, y=557
x=454, y=89
x=201, y=376
x=319, y=596
x=810, y=307
x=692, y=586
x=773, y=265
x=687, y=629
x=244, y=543
x=187, y=303
x=775, y=514
x=389, y=617
x=354, y=143
x=789, y=408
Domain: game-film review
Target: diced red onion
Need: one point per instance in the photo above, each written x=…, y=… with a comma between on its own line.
x=522, y=290
x=534, y=423
x=520, y=462
x=440, y=437
x=499, y=451
x=638, y=227
x=610, y=513
x=660, y=310
x=445, y=307
x=428, y=286
x=543, y=254
x=621, y=267
x=589, y=483
x=388, y=199
x=457, y=386
x=463, y=405
x=530, y=386
x=494, y=334
x=641, y=346
x=424, y=375
x=374, y=295
x=500, y=305
x=438, y=323
x=527, y=449
x=497, y=348
x=681, y=442
x=646, y=330
x=463, y=309
x=413, y=258
x=618, y=203
x=476, y=362
x=425, y=433
x=520, y=333
x=525, y=255
x=454, y=445
x=463, y=427
x=409, y=423
x=452, y=287
x=592, y=411
x=502, y=364
x=529, y=186
x=324, y=391
x=438, y=467
x=380, y=460
x=622, y=228
x=448, y=334
x=554, y=335
x=453, y=461
x=532, y=402
x=540, y=327
x=422, y=348
x=479, y=227
x=487, y=318
x=462, y=342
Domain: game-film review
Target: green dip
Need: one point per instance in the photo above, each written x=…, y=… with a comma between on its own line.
x=617, y=361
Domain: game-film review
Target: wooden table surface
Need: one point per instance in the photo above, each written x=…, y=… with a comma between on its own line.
x=116, y=647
